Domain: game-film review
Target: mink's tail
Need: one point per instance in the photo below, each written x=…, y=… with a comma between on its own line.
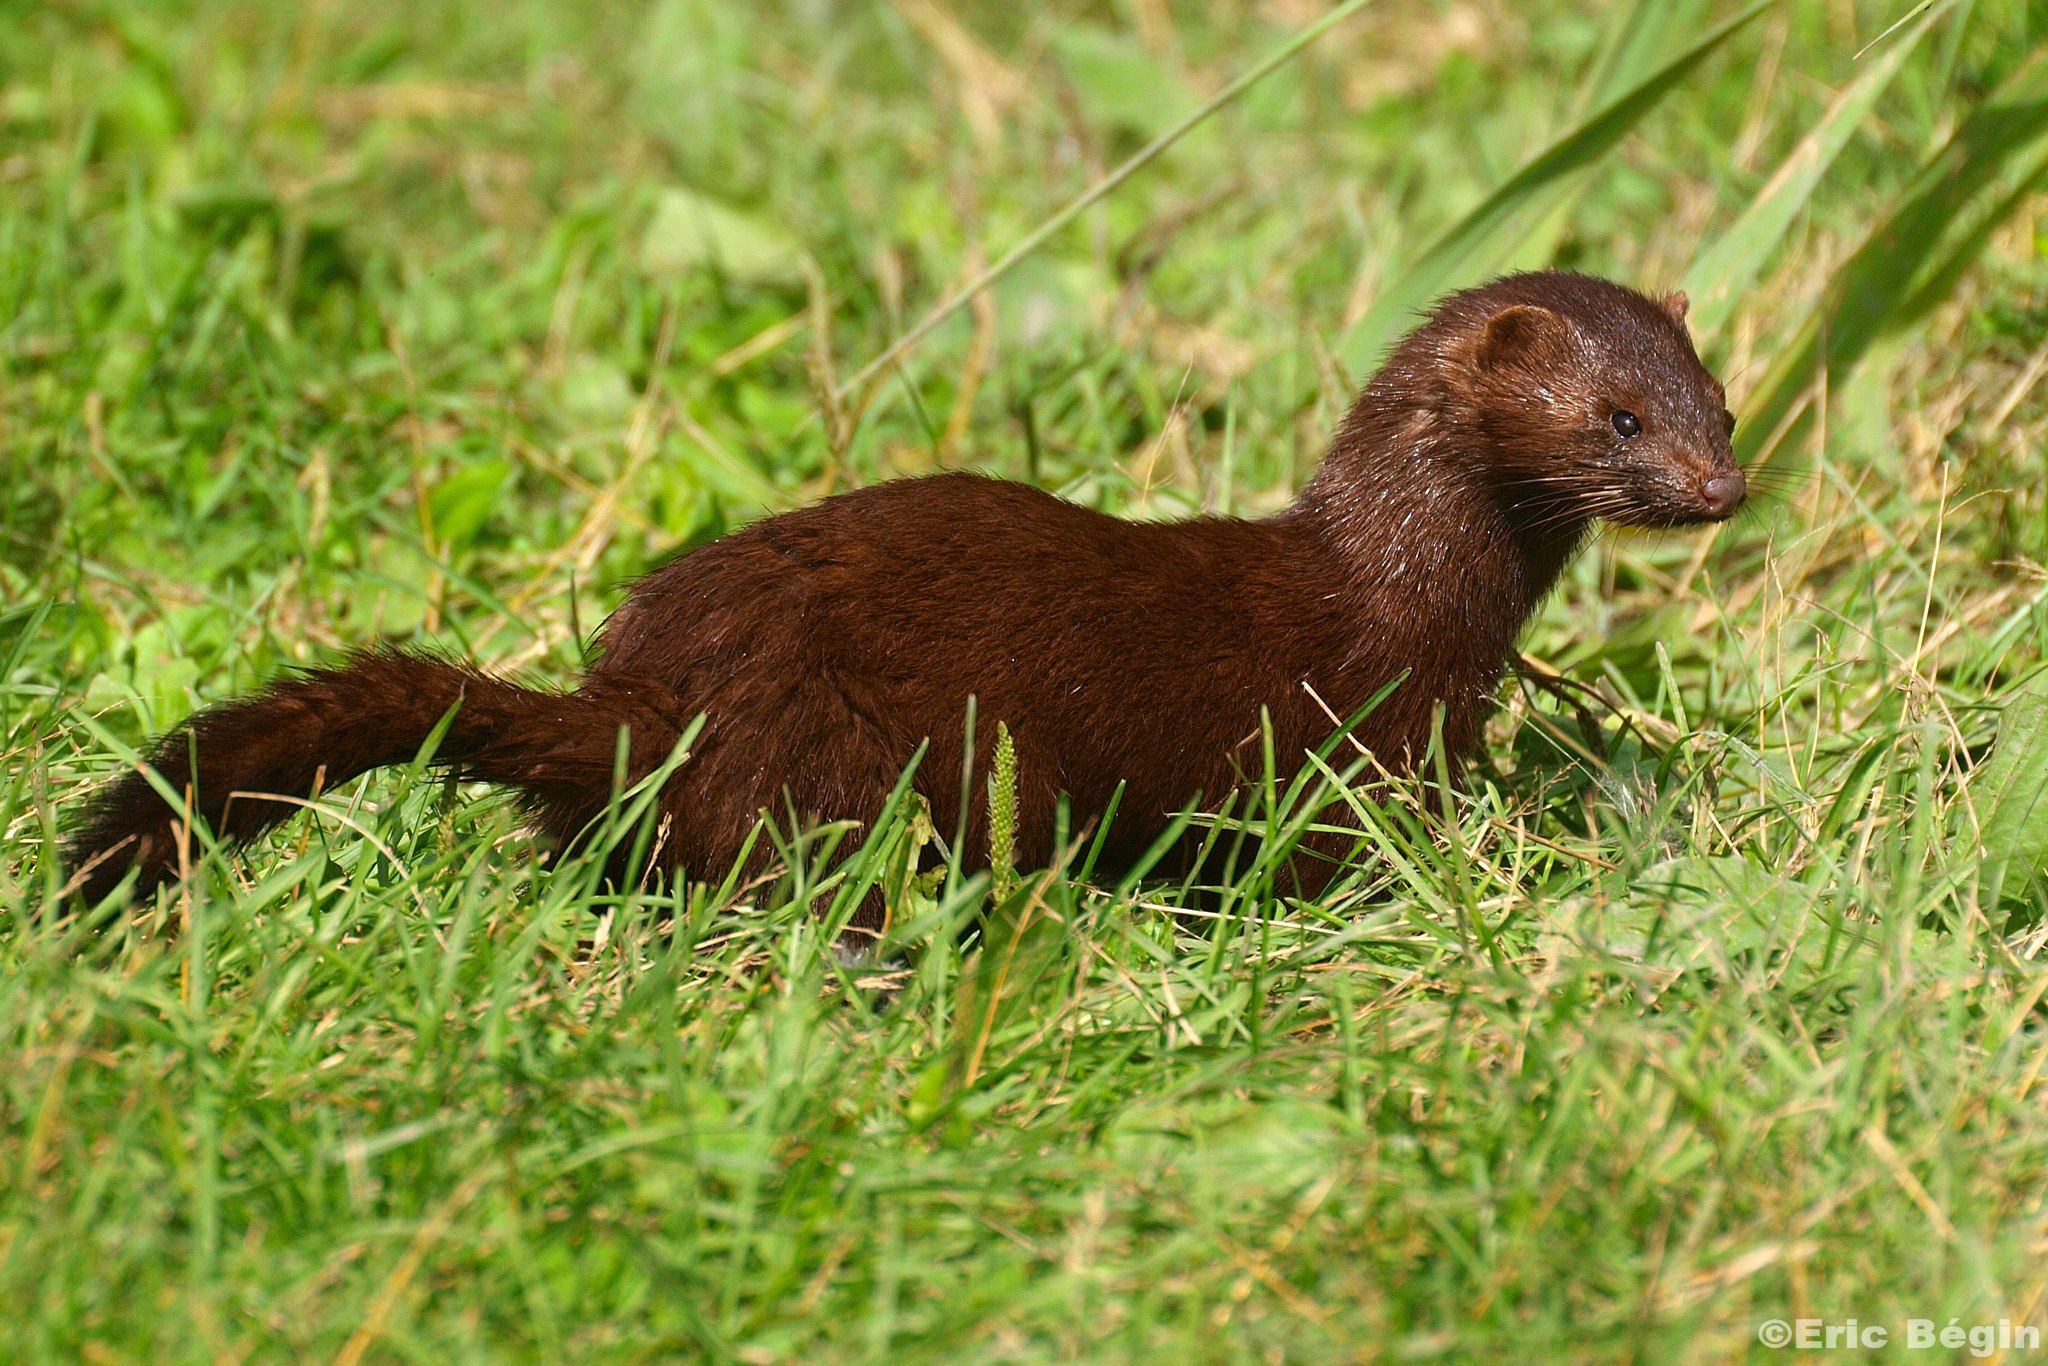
x=317, y=730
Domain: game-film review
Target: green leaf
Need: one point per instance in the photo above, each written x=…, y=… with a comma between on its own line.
x=692, y=233
x=1121, y=84
x=463, y=502
x=927, y=1095
x=1723, y=272
x=2008, y=790
x=1483, y=238
x=594, y=392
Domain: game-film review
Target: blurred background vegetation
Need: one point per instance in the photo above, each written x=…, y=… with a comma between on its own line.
x=321, y=322
x=331, y=320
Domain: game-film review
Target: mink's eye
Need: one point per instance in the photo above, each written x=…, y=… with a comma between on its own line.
x=1627, y=423
x=1728, y=419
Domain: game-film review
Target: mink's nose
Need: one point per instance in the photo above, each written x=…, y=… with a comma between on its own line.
x=1724, y=493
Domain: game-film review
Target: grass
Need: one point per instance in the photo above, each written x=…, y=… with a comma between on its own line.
x=1716, y=998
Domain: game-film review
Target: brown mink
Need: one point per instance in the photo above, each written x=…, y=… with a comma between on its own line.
x=823, y=646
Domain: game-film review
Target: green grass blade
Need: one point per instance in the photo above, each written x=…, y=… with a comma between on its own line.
x=1912, y=257
x=1723, y=272
x=1635, y=38
x=2009, y=791
x=1483, y=238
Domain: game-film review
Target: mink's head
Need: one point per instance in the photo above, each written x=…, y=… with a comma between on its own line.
x=1587, y=398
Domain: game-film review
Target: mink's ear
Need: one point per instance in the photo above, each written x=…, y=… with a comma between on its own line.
x=1523, y=334
x=1675, y=303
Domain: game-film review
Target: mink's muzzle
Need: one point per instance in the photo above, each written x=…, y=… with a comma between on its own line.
x=1722, y=494
x=1685, y=490
x=1666, y=497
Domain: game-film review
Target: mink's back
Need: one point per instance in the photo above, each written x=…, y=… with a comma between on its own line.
x=1113, y=650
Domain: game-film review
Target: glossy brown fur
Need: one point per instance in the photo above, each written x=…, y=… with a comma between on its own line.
x=825, y=645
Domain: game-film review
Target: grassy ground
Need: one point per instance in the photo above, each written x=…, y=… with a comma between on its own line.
x=1718, y=999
